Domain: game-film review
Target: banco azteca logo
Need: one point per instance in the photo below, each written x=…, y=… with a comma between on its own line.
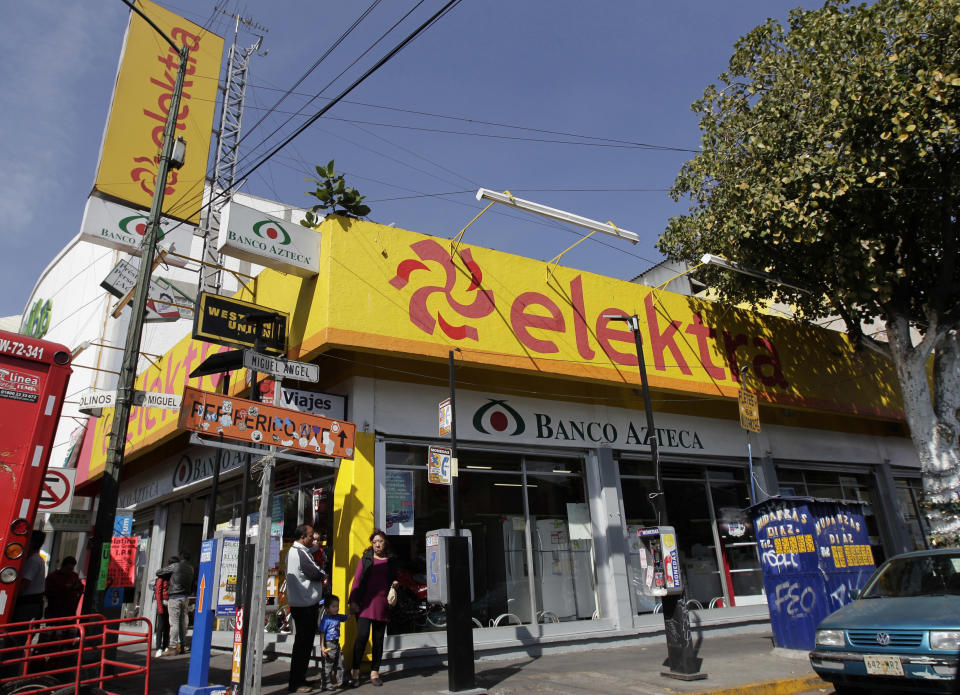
x=136, y=225
x=495, y=417
x=268, y=229
x=420, y=315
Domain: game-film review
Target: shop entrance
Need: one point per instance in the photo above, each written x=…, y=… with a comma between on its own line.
x=718, y=555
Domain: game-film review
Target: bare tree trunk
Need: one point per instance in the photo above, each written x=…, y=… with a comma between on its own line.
x=932, y=418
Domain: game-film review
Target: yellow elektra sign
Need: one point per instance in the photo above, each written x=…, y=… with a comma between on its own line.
x=386, y=290
x=133, y=136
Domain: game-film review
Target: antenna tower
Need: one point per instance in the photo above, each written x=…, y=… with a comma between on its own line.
x=228, y=137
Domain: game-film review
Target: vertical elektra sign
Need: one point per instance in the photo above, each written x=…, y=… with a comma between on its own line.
x=133, y=136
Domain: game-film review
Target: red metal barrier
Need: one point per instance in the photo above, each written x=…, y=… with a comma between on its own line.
x=73, y=652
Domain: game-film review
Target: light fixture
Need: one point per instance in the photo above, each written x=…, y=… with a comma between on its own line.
x=559, y=215
x=80, y=348
x=721, y=262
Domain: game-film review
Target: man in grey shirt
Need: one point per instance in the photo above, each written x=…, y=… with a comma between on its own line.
x=181, y=584
x=304, y=590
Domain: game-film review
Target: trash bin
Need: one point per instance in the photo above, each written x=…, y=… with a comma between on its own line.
x=814, y=553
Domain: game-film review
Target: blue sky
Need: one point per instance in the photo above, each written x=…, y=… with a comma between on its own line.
x=616, y=75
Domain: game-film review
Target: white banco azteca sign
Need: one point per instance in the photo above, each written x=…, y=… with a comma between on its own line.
x=255, y=236
x=123, y=228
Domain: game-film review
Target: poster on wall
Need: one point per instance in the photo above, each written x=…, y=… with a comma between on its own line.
x=399, y=488
x=122, y=570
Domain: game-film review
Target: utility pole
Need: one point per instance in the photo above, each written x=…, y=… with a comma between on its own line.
x=681, y=656
x=171, y=156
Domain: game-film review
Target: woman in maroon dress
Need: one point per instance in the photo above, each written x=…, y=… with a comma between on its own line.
x=368, y=601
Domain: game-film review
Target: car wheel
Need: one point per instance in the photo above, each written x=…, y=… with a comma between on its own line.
x=30, y=684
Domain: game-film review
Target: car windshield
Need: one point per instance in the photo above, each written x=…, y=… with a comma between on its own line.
x=925, y=575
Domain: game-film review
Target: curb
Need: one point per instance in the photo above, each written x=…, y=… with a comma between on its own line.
x=783, y=686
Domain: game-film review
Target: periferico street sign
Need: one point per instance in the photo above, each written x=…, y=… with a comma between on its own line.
x=238, y=419
x=287, y=369
x=220, y=320
x=92, y=401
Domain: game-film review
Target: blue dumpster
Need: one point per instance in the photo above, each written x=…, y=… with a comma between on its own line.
x=814, y=553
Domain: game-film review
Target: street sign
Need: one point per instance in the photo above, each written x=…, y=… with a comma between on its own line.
x=439, y=465
x=219, y=415
x=153, y=399
x=56, y=493
x=287, y=369
x=92, y=401
x=220, y=320
x=316, y=402
x=162, y=293
x=749, y=411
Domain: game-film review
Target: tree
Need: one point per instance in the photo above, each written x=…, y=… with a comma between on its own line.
x=334, y=197
x=831, y=156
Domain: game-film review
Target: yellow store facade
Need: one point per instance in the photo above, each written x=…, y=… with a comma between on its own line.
x=555, y=476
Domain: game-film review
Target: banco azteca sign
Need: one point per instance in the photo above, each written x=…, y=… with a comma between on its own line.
x=498, y=419
x=254, y=236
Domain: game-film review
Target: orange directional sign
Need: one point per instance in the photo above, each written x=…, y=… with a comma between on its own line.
x=239, y=419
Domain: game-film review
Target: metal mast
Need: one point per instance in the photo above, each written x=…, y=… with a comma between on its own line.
x=228, y=138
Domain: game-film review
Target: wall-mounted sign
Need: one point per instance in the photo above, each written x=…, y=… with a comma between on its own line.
x=445, y=413
x=36, y=323
x=220, y=320
x=254, y=236
x=316, y=402
x=239, y=419
x=286, y=369
x=124, y=228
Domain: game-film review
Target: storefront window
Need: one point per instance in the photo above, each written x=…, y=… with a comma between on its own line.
x=532, y=557
x=718, y=554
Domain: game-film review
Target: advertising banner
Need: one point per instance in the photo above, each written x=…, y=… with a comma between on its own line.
x=439, y=464
x=254, y=236
x=122, y=570
x=166, y=302
x=124, y=228
x=133, y=136
x=227, y=585
x=220, y=320
x=251, y=422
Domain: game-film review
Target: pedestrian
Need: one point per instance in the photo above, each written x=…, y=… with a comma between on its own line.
x=63, y=589
x=304, y=589
x=330, y=641
x=376, y=575
x=181, y=584
x=33, y=574
x=161, y=594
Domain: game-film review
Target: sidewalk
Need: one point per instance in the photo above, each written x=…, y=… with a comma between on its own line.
x=731, y=662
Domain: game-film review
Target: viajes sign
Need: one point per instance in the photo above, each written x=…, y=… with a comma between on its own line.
x=254, y=236
x=123, y=228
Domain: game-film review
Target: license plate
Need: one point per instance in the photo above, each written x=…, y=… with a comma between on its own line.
x=883, y=665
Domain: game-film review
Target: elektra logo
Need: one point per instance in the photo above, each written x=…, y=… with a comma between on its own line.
x=496, y=416
x=482, y=304
x=268, y=229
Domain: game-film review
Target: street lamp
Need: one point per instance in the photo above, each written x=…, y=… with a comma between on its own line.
x=721, y=262
x=681, y=656
x=171, y=156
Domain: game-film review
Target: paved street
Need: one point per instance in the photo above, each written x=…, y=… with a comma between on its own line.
x=731, y=662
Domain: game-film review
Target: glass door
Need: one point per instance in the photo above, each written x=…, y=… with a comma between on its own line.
x=736, y=544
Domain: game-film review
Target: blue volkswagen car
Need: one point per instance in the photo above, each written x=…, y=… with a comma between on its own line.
x=902, y=634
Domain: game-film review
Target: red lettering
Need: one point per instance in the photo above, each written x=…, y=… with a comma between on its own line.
x=580, y=319
x=522, y=322
x=185, y=38
x=701, y=333
x=771, y=360
x=607, y=335
x=663, y=341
